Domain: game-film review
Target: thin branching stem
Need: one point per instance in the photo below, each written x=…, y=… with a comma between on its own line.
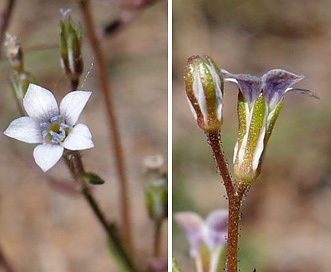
x=75, y=165
x=113, y=125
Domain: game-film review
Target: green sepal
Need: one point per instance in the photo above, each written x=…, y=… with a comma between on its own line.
x=156, y=199
x=273, y=121
x=242, y=116
x=244, y=171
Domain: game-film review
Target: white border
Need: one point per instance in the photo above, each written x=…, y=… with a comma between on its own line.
x=169, y=135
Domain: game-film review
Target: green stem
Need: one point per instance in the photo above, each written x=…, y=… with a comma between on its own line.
x=75, y=165
x=113, y=126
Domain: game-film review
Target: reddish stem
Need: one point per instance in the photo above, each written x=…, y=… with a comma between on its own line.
x=233, y=227
x=213, y=139
x=113, y=126
x=235, y=196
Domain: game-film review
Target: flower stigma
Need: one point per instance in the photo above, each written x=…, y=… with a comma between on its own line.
x=55, y=131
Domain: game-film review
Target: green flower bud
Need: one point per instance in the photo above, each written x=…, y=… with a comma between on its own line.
x=156, y=191
x=70, y=49
x=204, y=90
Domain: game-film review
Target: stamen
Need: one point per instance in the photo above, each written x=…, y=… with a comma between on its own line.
x=54, y=131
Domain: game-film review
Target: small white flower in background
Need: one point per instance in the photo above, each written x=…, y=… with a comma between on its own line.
x=53, y=127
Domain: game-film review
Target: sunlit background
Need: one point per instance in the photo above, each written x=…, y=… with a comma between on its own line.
x=286, y=221
x=44, y=226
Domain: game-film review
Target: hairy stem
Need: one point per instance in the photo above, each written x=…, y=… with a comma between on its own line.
x=213, y=139
x=234, y=195
x=233, y=227
x=112, y=119
x=75, y=165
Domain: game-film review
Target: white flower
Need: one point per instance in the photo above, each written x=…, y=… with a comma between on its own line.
x=53, y=127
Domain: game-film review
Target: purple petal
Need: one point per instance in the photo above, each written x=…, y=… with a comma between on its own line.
x=79, y=138
x=72, y=105
x=24, y=129
x=47, y=155
x=276, y=83
x=215, y=229
x=39, y=103
x=192, y=225
x=249, y=85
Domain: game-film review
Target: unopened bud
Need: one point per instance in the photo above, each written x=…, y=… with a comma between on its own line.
x=70, y=47
x=156, y=191
x=204, y=90
x=14, y=52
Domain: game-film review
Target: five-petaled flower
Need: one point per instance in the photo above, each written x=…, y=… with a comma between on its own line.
x=53, y=127
x=259, y=103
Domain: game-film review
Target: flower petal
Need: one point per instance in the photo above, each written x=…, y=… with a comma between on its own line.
x=72, y=105
x=215, y=229
x=249, y=85
x=192, y=225
x=40, y=103
x=79, y=138
x=24, y=129
x=47, y=155
x=276, y=83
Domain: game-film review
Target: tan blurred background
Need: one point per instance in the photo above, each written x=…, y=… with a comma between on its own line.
x=286, y=217
x=43, y=228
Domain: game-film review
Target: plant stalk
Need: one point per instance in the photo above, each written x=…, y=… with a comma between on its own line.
x=113, y=125
x=157, y=240
x=234, y=195
x=75, y=165
x=233, y=227
x=213, y=139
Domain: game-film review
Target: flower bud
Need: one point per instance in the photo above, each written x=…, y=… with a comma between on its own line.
x=156, y=191
x=20, y=83
x=204, y=90
x=70, y=47
x=14, y=53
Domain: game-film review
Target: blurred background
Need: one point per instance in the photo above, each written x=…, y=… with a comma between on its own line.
x=286, y=221
x=45, y=226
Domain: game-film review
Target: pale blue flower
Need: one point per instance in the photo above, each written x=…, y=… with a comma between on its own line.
x=53, y=128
